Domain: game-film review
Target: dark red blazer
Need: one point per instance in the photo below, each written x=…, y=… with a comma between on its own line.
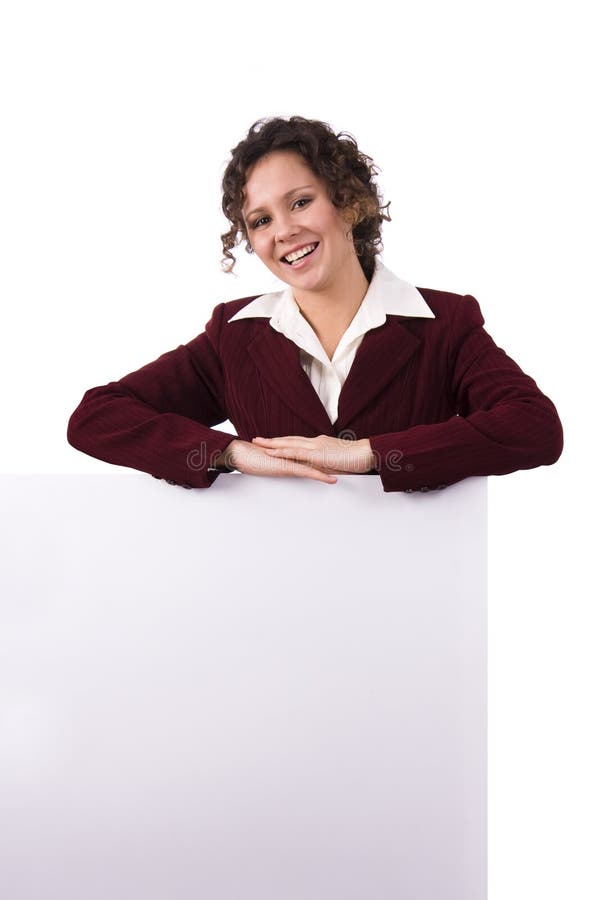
x=437, y=398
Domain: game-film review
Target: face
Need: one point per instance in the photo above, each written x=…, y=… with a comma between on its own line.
x=287, y=210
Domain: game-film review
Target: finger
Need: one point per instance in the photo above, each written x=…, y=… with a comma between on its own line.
x=317, y=459
x=286, y=452
x=298, y=451
x=302, y=470
x=313, y=457
x=267, y=464
x=290, y=440
x=315, y=475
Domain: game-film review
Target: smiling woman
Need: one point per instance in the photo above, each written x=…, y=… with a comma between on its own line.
x=349, y=369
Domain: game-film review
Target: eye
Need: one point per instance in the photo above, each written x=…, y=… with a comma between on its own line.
x=258, y=221
x=301, y=202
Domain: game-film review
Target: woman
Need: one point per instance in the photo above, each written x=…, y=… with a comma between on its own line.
x=349, y=369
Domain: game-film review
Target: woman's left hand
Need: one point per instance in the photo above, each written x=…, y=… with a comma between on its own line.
x=329, y=454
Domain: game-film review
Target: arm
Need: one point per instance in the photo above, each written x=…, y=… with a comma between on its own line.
x=503, y=422
x=158, y=419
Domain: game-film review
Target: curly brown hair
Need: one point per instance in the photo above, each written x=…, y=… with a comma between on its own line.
x=348, y=174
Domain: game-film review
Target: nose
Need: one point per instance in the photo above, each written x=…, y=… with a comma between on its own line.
x=285, y=228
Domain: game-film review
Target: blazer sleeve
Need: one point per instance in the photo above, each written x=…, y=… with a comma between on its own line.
x=503, y=422
x=159, y=418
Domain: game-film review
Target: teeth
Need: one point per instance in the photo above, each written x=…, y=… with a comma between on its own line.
x=292, y=257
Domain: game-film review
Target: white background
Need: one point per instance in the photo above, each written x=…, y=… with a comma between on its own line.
x=117, y=122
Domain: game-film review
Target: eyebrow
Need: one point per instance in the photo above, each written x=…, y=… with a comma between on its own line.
x=287, y=194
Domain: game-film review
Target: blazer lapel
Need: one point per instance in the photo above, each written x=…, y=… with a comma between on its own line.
x=278, y=360
x=380, y=356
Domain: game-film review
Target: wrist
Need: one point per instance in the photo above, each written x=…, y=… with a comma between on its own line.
x=224, y=461
x=371, y=459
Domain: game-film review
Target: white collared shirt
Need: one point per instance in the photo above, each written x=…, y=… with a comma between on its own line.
x=386, y=295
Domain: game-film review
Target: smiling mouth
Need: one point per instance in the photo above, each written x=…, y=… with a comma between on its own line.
x=292, y=258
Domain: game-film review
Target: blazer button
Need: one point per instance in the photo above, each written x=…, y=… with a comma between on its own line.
x=188, y=487
x=168, y=480
x=158, y=476
x=409, y=491
x=424, y=490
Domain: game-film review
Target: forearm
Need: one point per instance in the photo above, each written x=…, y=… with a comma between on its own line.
x=511, y=436
x=111, y=425
x=503, y=422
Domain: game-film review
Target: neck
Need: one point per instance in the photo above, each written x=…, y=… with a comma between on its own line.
x=335, y=306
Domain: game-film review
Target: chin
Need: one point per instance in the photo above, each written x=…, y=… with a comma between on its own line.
x=313, y=283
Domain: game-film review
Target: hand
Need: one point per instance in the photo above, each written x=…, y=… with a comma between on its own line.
x=328, y=454
x=254, y=460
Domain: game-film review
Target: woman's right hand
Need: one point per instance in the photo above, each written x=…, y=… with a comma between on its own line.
x=252, y=460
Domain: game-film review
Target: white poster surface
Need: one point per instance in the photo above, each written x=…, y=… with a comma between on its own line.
x=272, y=689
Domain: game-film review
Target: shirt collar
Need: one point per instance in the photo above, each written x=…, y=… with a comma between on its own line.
x=386, y=295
